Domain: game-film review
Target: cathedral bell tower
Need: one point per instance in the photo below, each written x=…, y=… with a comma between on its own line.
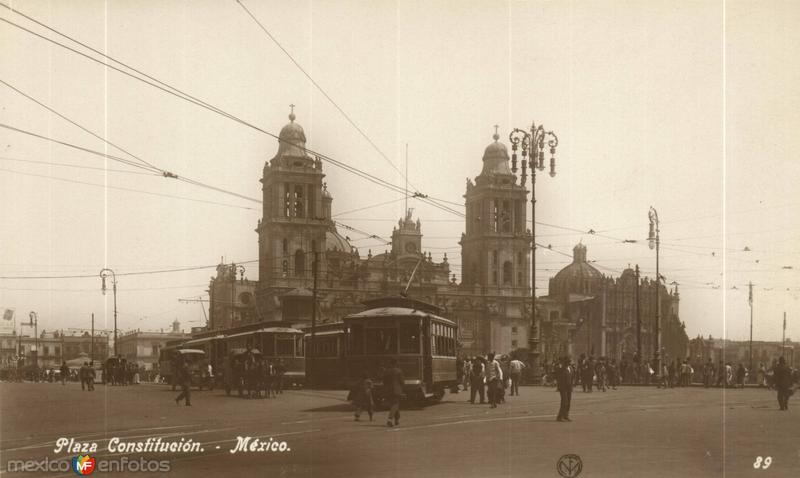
x=495, y=249
x=295, y=218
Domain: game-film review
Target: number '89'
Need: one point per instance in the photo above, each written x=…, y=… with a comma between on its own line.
x=762, y=463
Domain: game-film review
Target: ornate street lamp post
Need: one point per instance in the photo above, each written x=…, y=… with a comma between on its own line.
x=103, y=274
x=35, y=324
x=654, y=239
x=234, y=269
x=532, y=143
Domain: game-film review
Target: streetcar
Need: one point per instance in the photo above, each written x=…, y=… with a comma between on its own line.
x=195, y=359
x=215, y=350
x=325, y=360
x=278, y=344
x=414, y=334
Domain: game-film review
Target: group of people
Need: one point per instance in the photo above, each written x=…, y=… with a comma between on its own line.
x=118, y=371
x=251, y=374
x=489, y=378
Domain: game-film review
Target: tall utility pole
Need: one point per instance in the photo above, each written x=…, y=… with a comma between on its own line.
x=311, y=353
x=783, y=341
x=655, y=242
x=103, y=274
x=533, y=143
x=638, y=318
x=750, y=301
x=91, y=355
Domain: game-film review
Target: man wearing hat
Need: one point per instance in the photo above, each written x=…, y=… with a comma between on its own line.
x=783, y=383
x=564, y=376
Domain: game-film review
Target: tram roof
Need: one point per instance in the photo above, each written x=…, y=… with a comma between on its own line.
x=203, y=340
x=274, y=330
x=395, y=312
x=190, y=351
x=403, y=301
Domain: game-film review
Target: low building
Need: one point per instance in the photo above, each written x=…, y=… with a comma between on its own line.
x=54, y=348
x=144, y=347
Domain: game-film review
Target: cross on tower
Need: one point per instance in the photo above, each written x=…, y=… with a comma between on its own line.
x=496, y=135
x=291, y=113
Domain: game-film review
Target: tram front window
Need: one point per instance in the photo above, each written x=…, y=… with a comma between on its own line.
x=409, y=338
x=284, y=346
x=381, y=341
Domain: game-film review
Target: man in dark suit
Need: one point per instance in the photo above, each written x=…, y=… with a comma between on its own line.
x=184, y=379
x=783, y=383
x=393, y=383
x=564, y=376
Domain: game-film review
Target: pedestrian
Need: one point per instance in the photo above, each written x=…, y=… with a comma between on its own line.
x=564, y=377
x=587, y=378
x=782, y=376
x=82, y=373
x=494, y=380
x=64, y=372
x=613, y=374
x=708, y=373
x=728, y=374
x=762, y=375
x=362, y=397
x=476, y=379
x=515, y=371
x=183, y=379
x=90, y=376
x=740, y=373
x=280, y=371
x=465, y=375
x=600, y=372
x=393, y=382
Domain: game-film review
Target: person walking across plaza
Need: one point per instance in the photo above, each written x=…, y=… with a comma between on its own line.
x=185, y=381
x=515, y=371
x=90, y=376
x=362, y=397
x=782, y=376
x=393, y=382
x=740, y=374
x=82, y=373
x=476, y=377
x=64, y=372
x=494, y=380
x=564, y=378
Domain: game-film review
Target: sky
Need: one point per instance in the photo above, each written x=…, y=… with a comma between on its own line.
x=689, y=107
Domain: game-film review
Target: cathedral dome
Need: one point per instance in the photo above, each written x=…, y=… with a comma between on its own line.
x=495, y=158
x=292, y=140
x=335, y=242
x=579, y=277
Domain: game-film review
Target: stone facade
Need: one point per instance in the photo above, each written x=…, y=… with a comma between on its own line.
x=144, y=347
x=54, y=347
x=589, y=312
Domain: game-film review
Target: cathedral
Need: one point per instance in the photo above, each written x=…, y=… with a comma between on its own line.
x=491, y=304
x=586, y=312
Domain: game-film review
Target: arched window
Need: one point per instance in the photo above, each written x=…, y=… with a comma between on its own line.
x=299, y=200
x=285, y=246
x=299, y=263
x=507, y=273
x=285, y=268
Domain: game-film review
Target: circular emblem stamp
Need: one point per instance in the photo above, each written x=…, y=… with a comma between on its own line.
x=569, y=466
